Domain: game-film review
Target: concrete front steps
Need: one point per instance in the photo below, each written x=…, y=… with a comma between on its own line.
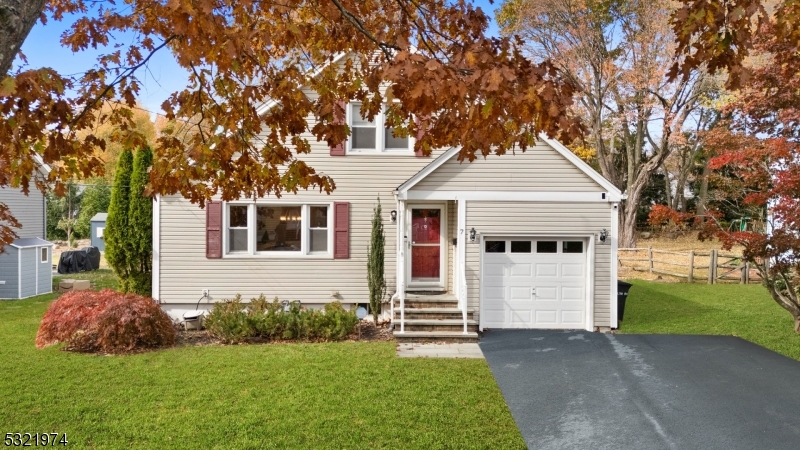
x=433, y=317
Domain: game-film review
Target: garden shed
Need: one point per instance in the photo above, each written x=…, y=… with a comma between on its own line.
x=98, y=224
x=26, y=269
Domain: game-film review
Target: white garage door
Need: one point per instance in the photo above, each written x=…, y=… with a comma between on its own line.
x=534, y=283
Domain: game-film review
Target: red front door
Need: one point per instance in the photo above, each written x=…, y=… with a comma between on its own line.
x=426, y=244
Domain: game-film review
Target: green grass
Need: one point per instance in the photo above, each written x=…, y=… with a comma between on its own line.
x=101, y=278
x=344, y=395
x=746, y=311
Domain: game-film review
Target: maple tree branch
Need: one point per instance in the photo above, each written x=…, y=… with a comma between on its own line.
x=408, y=13
x=126, y=73
x=358, y=25
x=200, y=97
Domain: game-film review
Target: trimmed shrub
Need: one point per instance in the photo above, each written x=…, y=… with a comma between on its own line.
x=234, y=321
x=106, y=322
x=228, y=321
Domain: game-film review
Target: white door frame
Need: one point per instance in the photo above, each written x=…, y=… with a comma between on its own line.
x=590, y=262
x=443, y=254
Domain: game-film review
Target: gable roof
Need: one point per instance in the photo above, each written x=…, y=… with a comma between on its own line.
x=271, y=103
x=614, y=193
x=99, y=217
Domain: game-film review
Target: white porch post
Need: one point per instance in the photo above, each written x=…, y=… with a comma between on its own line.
x=462, y=259
x=401, y=261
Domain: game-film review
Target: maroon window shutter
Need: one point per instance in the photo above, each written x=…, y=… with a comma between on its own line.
x=420, y=133
x=339, y=117
x=341, y=230
x=214, y=230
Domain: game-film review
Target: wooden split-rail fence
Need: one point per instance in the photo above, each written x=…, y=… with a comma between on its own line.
x=710, y=266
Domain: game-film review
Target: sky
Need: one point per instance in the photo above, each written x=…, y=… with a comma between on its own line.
x=163, y=76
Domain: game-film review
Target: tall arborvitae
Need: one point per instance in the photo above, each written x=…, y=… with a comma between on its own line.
x=117, y=226
x=140, y=221
x=375, y=263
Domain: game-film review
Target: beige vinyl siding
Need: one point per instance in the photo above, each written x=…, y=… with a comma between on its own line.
x=27, y=209
x=360, y=180
x=540, y=168
x=555, y=219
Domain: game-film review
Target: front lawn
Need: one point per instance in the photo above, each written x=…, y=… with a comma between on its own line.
x=99, y=279
x=746, y=311
x=345, y=395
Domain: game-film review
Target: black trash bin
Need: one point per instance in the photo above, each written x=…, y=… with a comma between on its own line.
x=622, y=295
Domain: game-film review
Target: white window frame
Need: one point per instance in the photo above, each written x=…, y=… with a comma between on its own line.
x=252, y=228
x=46, y=255
x=380, y=145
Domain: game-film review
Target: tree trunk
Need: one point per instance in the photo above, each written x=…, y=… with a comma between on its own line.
x=16, y=20
x=797, y=324
x=703, y=197
x=668, y=187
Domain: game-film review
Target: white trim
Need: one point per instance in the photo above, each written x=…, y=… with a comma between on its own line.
x=47, y=255
x=443, y=239
x=588, y=238
x=19, y=273
x=591, y=257
x=252, y=230
x=613, y=236
x=461, y=262
x=156, y=269
x=512, y=196
x=582, y=165
x=271, y=103
x=378, y=123
x=427, y=170
x=36, y=267
x=614, y=194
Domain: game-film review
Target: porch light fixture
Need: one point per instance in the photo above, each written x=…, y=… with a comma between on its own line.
x=472, y=235
x=393, y=215
x=603, y=235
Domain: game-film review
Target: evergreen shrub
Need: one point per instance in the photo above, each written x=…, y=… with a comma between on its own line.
x=233, y=321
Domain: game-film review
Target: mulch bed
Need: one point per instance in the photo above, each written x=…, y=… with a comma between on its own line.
x=198, y=338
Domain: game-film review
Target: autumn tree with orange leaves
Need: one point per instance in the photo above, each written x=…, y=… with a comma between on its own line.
x=617, y=54
x=433, y=56
x=760, y=148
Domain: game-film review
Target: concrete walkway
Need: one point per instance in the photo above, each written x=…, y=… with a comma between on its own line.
x=412, y=350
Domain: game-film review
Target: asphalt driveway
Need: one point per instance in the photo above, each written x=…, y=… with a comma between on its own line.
x=575, y=389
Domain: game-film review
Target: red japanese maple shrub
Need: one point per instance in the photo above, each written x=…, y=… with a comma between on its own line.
x=106, y=322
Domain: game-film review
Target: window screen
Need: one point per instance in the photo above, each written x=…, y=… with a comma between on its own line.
x=319, y=229
x=237, y=228
x=364, y=132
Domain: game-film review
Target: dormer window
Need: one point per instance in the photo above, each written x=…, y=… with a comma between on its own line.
x=373, y=136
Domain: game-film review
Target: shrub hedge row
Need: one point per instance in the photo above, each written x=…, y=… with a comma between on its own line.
x=234, y=321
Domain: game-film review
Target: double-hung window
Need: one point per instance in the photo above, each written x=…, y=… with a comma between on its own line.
x=374, y=136
x=257, y=229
